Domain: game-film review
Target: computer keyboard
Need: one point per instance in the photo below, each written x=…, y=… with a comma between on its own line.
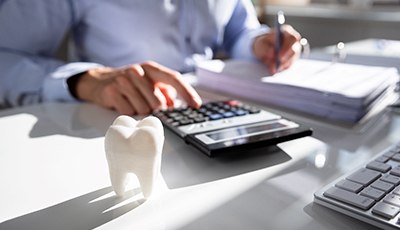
x=370, y=193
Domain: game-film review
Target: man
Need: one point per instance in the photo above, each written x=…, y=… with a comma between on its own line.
x=127, y=54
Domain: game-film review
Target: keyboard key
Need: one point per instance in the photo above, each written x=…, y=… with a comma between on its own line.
x=392, y=199
x=382, y=159
x=382, y=185
x=349, y=186
x=396, y=191
x=395, y=171
x=389, y=154
x=391, y=179
x=349, y=198
x=381, y=182
x=364, y=176
x=396, y=157
x=378, y=166
x=385, y=210
x=373, y=193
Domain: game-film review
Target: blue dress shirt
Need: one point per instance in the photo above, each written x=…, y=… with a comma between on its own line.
x=174, y=33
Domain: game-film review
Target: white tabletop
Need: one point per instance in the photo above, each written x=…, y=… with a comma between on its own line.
x=54, y=175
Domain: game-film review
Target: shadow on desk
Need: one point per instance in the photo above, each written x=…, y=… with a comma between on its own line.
x=71, y=119
x=84, y=212
x=183, y=165
x=334, y=220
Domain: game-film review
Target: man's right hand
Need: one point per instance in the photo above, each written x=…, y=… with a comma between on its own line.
x=135, y=89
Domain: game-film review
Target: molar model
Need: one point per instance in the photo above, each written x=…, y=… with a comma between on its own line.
x=134, y=147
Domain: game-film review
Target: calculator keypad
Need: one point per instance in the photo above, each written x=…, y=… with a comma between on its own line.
x=208, y=112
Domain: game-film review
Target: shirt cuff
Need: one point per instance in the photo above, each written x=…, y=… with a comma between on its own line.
x=55, y=86
x=243, y=49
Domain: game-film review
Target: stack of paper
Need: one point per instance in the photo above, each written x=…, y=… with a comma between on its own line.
x=336, y=91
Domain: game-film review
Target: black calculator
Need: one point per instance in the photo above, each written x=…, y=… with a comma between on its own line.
x=225, y=126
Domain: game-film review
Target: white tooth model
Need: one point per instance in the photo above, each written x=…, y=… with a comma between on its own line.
x=134, y=147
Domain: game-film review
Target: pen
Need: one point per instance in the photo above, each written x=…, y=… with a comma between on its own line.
x=279, y=21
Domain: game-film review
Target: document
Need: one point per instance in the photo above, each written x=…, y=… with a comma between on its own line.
x=337, y=91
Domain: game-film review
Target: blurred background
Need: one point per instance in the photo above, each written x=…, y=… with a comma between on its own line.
x=326, y=22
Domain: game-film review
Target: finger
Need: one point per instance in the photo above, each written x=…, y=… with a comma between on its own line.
x=269, y=59
x=132, y=94
x=290, y=56
x=287, y=59
x=286, y=64
x=264, y=50
x=158, y=73
x=290, y=37
x=271, y=65
x=112, y=98
x=169, y=94
x=164, y=101
x=272, y=69
x=105, y=72
x=144, y=85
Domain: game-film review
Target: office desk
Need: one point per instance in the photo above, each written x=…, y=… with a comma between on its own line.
x=53, y=175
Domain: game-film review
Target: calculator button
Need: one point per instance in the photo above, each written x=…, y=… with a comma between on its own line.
x=203, y=110
x=215, y=116
x=254, y=110
x=240, y=112
x=185, y=122
x=173, y=114
x=228, y=114
x=168, y=120
x=199, y=119
x=175, y=123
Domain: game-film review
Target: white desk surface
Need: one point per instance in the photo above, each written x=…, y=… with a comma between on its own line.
x=53, y=175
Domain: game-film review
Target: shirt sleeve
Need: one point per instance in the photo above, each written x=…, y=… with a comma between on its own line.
x=55, y=86
x=241, y=30
x=31, y=32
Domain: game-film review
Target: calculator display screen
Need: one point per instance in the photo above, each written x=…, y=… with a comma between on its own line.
x=244, y=131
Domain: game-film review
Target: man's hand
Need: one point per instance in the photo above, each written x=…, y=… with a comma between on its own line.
x=263, y=48
x=136, y=89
